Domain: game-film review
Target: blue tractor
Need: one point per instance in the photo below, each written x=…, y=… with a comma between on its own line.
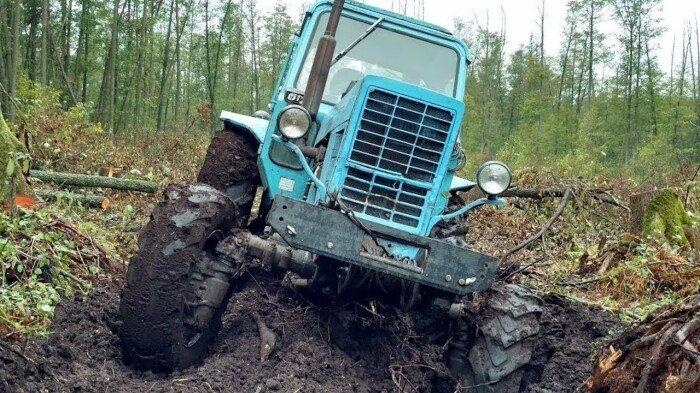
x=354, y=168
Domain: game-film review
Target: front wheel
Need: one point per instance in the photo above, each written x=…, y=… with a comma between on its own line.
x=490, y=353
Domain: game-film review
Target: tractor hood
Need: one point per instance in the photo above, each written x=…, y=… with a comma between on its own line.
x=330, y=117
x=389, y=154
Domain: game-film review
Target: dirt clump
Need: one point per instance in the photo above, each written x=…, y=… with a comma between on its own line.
x=231, y=158
x=320, y=348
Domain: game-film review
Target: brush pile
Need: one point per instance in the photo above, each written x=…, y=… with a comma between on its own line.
x=660, y=355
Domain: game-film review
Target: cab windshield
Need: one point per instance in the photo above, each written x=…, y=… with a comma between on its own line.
x=383, y=53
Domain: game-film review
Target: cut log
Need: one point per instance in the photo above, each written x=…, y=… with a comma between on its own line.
x=80, y=180
x=83, y=199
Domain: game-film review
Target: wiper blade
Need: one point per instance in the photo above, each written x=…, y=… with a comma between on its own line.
x=358, y=40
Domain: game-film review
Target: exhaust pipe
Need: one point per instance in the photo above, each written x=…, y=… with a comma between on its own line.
x=322, y=62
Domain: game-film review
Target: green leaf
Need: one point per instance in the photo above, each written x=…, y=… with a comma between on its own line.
x=47, y=308
x=10, y=169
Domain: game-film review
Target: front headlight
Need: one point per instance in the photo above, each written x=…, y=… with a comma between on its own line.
x=294, y=122
x=493, y=178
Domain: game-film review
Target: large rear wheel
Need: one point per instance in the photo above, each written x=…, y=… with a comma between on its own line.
x=176, y=289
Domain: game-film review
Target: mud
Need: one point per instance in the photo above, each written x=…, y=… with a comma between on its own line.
x=231, y=158
x=571, y=335
x=328, y=348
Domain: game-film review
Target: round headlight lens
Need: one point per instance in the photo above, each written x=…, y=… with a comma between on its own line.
x=294, y=122
x=493, y=178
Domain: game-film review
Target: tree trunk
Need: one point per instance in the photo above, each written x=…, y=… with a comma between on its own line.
x=237, y=62
x=139, y=63
x=85, y=32
x=542, y=17
x=4, y=51
x=681, y=86
x=105, y=105
x=164, y=68
x=591, y=32
x=213, y=69
x=44, y=59
x=14, y=55
x=564, y=64
x=80, y=180
x=66, y=35
x=652, y=94
x=178, y=71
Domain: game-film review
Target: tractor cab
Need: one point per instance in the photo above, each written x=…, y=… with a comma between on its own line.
x=372, y=41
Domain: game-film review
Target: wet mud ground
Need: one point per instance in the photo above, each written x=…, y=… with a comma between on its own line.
x=320, y=348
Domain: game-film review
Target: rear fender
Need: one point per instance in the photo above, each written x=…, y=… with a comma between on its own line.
x=255, y=126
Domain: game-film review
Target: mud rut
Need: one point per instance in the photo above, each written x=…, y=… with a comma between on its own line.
x=320, y=348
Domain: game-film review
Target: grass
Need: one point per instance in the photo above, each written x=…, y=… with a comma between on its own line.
x=62, y=249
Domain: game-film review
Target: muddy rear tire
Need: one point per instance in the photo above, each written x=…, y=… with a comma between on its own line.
x=230, y=165
x=157, y=304
x=490, y=354
x=176, y=290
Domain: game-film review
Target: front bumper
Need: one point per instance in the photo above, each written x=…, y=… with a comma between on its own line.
x=331, y=234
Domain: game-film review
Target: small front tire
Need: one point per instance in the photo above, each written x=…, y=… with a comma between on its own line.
x=490, y=354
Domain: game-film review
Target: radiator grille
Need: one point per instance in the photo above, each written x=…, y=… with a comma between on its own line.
x=400, y=138
x=372, y=194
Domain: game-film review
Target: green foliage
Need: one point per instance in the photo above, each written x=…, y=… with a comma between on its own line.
x=39, y=263
x=665, y=217
x=559, y=113
x=13, y=162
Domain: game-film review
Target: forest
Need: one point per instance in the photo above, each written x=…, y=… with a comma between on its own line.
x=109, y=114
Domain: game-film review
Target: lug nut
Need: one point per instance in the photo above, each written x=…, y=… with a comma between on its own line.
x=329, y=245
x=462, y=282
x=291, y=231
x=448, y=278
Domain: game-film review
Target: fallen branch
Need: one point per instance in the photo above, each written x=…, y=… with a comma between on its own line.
x=81, y=180
x=653, y=361
x=596, y=193
x=683, y=335
x=565, y=200
x=83, y=199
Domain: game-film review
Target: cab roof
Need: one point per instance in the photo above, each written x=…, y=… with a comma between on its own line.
x=411, y=22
